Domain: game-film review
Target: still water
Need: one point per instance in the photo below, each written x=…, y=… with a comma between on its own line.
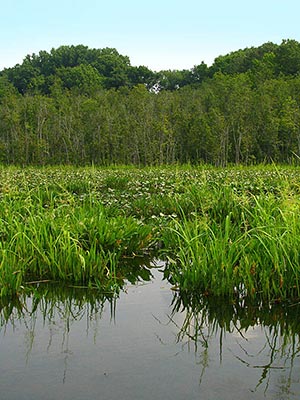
x=148, y=343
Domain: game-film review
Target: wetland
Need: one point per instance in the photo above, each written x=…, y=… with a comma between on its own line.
x=150, y=282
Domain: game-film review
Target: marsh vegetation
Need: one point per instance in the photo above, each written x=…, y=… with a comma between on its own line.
x=225, y=232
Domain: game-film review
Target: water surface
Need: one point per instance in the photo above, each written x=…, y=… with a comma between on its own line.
x=148, y=343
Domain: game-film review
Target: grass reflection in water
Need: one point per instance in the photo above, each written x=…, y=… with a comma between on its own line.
x=208, y=318
x=246, y=333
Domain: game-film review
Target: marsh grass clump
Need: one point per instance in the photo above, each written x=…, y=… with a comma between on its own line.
x=242, y=246
x=65, y=241
x=116, y=182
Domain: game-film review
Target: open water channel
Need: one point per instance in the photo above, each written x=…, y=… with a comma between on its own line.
x=147, y=343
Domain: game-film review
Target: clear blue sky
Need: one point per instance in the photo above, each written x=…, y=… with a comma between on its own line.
x=160, y=34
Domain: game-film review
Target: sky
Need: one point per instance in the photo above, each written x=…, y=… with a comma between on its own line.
x=159, y=34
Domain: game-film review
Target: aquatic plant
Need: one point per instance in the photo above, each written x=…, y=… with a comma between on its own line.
x=63, y=241
x=240, y=245
x=230, y=232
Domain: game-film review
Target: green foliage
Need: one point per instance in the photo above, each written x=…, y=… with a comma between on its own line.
x=238, y=244
x=84, y=106
x=84, y=78
x=288, y=57
x=51, y=233
x=241, y=61
x=77, y=66
x=230, y=232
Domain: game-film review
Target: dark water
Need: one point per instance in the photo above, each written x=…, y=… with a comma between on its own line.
x=149, y=343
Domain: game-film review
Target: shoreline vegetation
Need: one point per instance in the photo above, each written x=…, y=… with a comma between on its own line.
x=228, y=232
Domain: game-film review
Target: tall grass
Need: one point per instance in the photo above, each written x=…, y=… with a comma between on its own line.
x=61, y=241
x=241, y=245
x=229, y=232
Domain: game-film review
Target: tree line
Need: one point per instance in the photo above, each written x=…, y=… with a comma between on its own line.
x=77, y=105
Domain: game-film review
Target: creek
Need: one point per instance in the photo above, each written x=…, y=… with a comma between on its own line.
x=148, y=342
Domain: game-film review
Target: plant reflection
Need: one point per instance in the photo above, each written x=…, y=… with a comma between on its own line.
x=68, y=302
x=58, y=307
x=206, y=319
x=260, y=337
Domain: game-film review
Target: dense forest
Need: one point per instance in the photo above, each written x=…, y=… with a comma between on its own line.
x=77, y=105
